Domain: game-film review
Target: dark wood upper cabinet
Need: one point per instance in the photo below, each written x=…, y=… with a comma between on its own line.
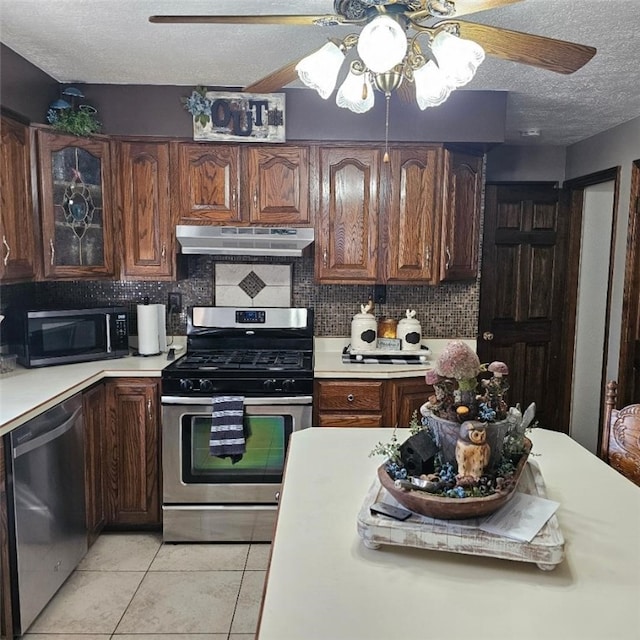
x=75, y=206
x=413, y=215
x=146, y=224
x=206, y=183
x=461, y=223
x=276, y=185
x=346, y=245
x=17, y=222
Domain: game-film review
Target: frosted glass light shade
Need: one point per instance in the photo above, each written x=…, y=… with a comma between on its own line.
x=458, y=58
x=350, y=93
x=432, y=86
x=319, y=70
x=382, y=44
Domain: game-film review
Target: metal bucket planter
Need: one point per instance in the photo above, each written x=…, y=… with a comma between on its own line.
x=446, y=432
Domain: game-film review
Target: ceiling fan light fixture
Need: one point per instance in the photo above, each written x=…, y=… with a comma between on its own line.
x=320, y=70
x=356, y=92
x=382, y=44
x=458, y=58
x=432, y=86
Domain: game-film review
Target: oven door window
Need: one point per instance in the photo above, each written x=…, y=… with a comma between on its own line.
x=263, y=461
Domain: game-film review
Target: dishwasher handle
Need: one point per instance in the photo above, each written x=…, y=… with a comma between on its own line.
x=45, y=438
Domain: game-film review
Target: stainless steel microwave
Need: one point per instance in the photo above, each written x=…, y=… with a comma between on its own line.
x=45, y=337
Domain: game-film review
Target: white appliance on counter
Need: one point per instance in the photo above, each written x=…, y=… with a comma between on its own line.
x=152, y=329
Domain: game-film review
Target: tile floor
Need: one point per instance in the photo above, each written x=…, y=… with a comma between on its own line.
x=131, y=586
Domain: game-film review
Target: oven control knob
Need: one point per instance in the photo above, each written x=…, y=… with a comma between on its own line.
x=289, y=385
x=269, y=384
x=206, y=385
x=186, y=384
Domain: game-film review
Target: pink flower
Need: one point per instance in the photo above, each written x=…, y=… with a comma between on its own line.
x=458, y=361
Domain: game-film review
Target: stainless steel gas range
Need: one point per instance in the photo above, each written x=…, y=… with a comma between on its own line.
x=261, y=360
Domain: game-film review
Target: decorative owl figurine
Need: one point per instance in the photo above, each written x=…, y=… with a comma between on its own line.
x=472, y=451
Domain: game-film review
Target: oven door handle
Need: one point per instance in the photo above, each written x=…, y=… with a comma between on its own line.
x=248, y=401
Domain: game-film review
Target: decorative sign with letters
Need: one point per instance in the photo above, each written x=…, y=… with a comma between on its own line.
x=244, y=117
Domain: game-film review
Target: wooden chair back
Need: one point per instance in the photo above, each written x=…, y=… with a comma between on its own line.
x=621, y=435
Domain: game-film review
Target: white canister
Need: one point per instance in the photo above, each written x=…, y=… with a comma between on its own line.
x=410, y=332
x=363, y=332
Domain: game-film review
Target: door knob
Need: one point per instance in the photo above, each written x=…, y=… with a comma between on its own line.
x=487, y=335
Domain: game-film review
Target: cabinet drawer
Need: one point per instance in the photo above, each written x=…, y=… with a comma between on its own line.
x=349, y=395
x=350, y=420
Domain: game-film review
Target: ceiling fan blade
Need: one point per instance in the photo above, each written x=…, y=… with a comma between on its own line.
x=538, y=51
x=438, y=8
x=275, y=80
x=269, y=19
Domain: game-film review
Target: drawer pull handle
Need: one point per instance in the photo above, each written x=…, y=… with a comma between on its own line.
x=350, y=397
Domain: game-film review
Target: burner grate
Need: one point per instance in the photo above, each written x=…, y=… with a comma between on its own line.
x=267, y=360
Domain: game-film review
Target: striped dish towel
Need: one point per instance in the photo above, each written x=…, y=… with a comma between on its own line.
x=227, y=432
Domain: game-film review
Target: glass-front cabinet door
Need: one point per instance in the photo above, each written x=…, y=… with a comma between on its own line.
x=76, y=207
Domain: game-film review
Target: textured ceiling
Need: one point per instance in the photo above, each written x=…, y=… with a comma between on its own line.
x=112, y=42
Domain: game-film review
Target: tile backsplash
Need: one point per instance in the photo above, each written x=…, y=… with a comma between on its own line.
x=446, y=311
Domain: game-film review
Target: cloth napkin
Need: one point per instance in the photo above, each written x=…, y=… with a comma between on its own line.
x=227, y=431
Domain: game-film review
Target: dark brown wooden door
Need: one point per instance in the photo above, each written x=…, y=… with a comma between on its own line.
x=133, y=487
x=347, y=220
x=629, y=376
x=522, y=289
x=276, y=183
x=206, y=188
x=413, y=216
x=147, y=226
x=408, y=395
x=461, y=221
x=17, y=227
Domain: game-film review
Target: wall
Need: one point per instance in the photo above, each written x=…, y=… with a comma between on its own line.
x=510, y=163
x=619, y=146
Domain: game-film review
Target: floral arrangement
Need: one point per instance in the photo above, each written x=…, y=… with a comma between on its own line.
x=469, y=442
x=198, y=105
x=459, y=395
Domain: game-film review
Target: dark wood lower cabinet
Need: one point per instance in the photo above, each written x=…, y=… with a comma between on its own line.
x=368, y=403
x=132, y=488
x=94, y=413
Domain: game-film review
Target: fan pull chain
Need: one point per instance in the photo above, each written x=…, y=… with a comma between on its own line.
x=385, y=158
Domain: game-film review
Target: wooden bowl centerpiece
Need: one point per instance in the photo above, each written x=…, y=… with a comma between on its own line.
x=443, y=507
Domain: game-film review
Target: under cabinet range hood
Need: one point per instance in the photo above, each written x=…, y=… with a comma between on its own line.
x=243, y=241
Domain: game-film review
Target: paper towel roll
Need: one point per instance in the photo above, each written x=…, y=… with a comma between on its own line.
x=148, y=342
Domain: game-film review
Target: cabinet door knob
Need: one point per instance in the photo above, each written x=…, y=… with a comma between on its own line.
x=448, y=262
x=163, y=252
x=255, y=199
x=52, y=249
x=233, y=198
x=427, y=256
x=487, y=335
x=350, y=397
x=149, y=411
x=8, y=248
x=325, y=256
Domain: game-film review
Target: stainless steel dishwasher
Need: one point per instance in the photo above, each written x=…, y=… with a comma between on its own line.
x=48, y=535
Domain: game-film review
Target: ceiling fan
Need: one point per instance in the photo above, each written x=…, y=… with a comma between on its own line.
x=417, y=19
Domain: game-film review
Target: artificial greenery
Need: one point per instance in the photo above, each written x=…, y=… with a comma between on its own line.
x=78, y=122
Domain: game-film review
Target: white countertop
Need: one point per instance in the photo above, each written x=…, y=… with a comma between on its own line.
x=24, y=393
x=328, y=360
x=323, y=583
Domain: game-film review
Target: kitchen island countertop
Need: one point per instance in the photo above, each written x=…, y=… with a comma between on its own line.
x=323, y=583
